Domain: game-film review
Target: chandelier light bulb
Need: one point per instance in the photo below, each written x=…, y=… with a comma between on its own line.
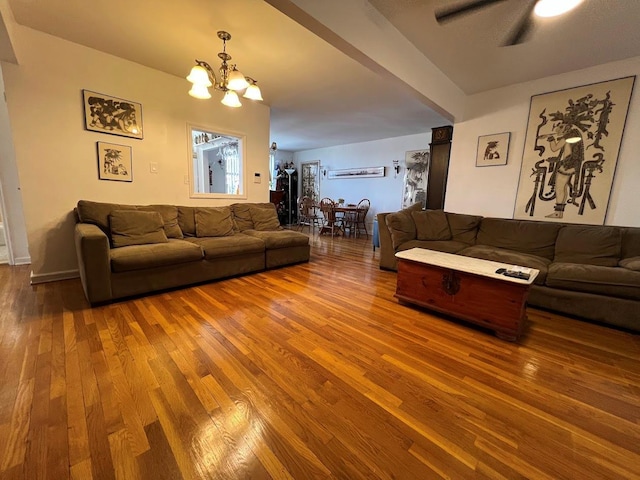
x=553, y=8
x=236, y=80
x=253, y=92
x=199, y=76
x=199, y=91
x=231, y=99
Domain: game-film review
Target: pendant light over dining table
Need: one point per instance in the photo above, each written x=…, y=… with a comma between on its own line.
x=231, y=80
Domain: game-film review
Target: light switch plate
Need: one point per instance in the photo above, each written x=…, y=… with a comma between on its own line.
x=153, y=167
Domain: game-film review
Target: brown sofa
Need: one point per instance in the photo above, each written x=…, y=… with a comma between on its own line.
x=126, y=250
x=588, y=271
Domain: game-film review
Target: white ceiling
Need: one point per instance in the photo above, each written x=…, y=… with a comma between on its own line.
x=318, y=95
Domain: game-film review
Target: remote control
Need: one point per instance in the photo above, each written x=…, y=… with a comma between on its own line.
x=520, y=275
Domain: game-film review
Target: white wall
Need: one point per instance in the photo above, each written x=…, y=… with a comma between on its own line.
x=385, y=192
x=491, y=191
x=56, y=156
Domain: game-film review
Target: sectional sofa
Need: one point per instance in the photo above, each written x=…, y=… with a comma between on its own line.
x=126, y=250
x=587, y=271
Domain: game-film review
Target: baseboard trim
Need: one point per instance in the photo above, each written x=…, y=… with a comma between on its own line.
x=22, y=261
x=37, y=278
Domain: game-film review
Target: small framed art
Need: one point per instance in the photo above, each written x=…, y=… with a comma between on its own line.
x=114, y=162
x=493, y=149
x=106, y=114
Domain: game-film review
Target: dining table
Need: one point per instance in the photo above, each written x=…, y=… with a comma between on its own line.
x=339, y=213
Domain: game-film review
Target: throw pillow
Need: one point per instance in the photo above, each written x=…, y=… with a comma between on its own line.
x=431, y=225
x=265, y=219
x=134, y=227
x=169, y=215
x=213, y=222
x=401, y=225
x=632, y=263
x=463, y=227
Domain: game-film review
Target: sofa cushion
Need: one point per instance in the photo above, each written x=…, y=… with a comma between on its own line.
x=134, y=227
x=187, y=220
x=242, y=214
x=534, y=238
x=431, y=225
x=279, y=238
x=632, y=263
x=589, y=244
x=511, y=257
x=610, y=281
x=213, y=221
x=169, y=215
x=401, y=225
x=97, y=213
x=237, y=244
x=265, y=219
x=630, y=242
x=464, y=228
x=447, y=246
x=140, y=257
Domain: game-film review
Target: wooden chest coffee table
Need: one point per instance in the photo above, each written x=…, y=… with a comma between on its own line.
x=466, y=288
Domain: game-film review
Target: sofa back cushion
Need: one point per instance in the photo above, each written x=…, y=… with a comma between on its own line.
x=187, y=220
x=213, y=221
x=431, y=225
x=630, y=242
x=265, y=218
x=135, y=227
x=589, y=244
x=169, y=215
x=97, y=213
x=242, y=214
x=534, y=238
x=464, y=228
x=401, y=225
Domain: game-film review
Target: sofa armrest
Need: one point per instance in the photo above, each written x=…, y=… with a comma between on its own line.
x=92, y=250
x=388, y=259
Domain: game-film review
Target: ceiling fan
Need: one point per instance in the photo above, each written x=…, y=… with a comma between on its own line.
x=542, y=8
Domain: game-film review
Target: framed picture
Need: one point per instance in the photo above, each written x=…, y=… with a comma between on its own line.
x=492, y=149
x=357, y=172
x=415, y=178
x=571, y=151
x=114, y=162
x=106, y=114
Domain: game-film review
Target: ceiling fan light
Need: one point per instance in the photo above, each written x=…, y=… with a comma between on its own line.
x=199, y=91
x=253, y=92
x=236, y=80
x=199, y=76
x=231, y=99
x=553, y=8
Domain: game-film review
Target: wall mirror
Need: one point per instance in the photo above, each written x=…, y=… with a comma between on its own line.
x=216, y=163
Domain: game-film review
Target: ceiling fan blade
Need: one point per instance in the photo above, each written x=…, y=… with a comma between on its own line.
x=451, y=13
x=520, y=31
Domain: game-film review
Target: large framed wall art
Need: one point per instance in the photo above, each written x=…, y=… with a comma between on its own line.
x=415, y=178
x=107, y=114
x=571, y=151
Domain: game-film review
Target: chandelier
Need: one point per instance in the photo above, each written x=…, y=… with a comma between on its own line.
x=231, y=80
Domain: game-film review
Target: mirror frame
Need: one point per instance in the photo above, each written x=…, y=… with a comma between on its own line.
x=242, y=139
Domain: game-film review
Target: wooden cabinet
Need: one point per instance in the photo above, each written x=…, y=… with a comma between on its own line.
x=439, y=166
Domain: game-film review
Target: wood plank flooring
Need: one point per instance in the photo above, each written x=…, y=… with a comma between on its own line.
x=307, y=372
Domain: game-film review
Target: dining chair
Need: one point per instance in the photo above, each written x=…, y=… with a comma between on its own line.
x=327, y=207
x=356, y=221
x=308, y=214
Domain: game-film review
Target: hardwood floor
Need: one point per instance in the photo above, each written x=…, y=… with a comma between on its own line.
x=309, y=371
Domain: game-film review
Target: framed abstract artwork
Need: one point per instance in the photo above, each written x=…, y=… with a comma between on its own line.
x=114, y=162
x=571, y=151
x=492, y=149
x=106, y=114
